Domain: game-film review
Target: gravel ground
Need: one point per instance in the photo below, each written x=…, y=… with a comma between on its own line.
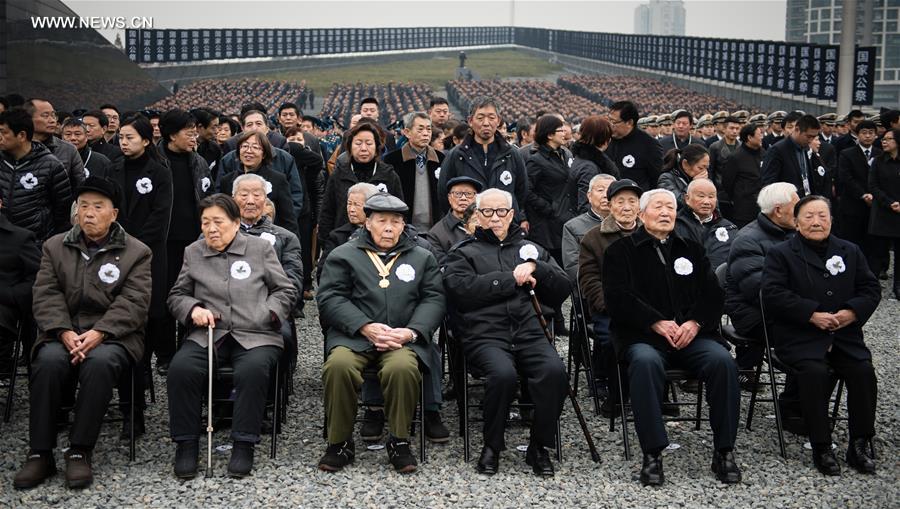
x=292, y=480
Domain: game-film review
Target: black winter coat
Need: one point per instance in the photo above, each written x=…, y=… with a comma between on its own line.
x=20, y=260
x=741, y=180
x=745, y=267
x=487, y=305
x=507, y=172
x=334, y=203
x=780, y=165
x=403, y=161
x=36, y=192
x=640, y=290
x=548, y=204
x=715, y=236
x=145, y=213
x=884, y=184
x=445, y=234
x=280, y=194
x=853, y=180
x=797, y=282
x=310, y=167
x=638, y=156
x=587, y=163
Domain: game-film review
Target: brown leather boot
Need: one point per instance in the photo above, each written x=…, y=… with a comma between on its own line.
x=78, y=468
x=37, y=468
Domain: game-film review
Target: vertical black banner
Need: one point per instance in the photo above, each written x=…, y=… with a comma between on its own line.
x=863, y=75
x=830, y=58
x=133, y=44
x=790, y=85
x=804, y=69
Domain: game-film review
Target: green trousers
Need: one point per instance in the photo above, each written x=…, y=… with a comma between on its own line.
x=398, y=373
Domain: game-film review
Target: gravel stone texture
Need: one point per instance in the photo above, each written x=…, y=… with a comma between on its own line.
x=293, y=480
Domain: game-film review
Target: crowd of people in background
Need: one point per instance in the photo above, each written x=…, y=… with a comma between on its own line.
x=129, y=236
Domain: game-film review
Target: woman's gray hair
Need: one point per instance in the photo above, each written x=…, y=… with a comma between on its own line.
x=246, y=177
x=773, y=195
x=493, y=190
x=645, y=198
x=363, y=188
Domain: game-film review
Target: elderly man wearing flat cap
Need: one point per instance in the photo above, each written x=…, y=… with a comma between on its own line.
x=91, y=298
x=381, y=298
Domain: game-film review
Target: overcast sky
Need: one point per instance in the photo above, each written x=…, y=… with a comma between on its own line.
x=744, y=19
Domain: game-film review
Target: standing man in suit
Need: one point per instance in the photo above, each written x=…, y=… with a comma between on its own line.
x=853, y=182
x=849, y=140
x=788, y=160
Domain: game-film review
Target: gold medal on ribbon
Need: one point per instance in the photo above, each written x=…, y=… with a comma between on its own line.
x=384, y=270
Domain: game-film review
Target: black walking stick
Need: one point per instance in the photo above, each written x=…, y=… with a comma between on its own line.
x=209, y=410
x=584, y=428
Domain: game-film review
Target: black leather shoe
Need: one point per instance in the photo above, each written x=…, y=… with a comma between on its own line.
x=241, y=462
x=652, y=470
x=37, y=468
x=488, y=462
x=186, y=454
x=858, y=456
x=537, y=458
x=337, y=456
x=725, y=468
x=825, y=461
x=400, y=455
x=435, y=431
x=79, y=474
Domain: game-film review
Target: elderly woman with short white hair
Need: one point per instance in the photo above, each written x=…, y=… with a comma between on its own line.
x=234, y=284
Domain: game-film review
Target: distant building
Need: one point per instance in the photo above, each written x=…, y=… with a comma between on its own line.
x=820, y=21
x=660, y=17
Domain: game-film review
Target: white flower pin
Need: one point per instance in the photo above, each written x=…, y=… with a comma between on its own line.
x=144, y=185
x=267, y=236
x=528, y=252
x=506, y=177
x=722, y=234
x=108, y=273
x=405, y=272
x=628, y=161
x=437, y=173
x=240, y=270
x=382, y=188
x=835, y=265
x=204, y=184
x=683, y=266
x=28, y=181
x=268, y=187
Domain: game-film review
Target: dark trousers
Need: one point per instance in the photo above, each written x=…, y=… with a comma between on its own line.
x=815, y=386
x=882, y=259
x=501, y=365
x=855, y=229
x=163, y=335
x=52, y=374
x=306, y=225
x=187, y=388
x=704, y=358
x=373, y=396
x=604, y=356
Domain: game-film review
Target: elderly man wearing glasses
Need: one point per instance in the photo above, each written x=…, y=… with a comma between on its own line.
x=488, y=278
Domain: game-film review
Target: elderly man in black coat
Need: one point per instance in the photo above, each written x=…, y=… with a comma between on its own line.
x=819, y=292
x=487, y=278
x=664, y=304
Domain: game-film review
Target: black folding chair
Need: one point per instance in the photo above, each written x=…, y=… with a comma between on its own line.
x=580, y=347
x=14, y=371
x=775, y=367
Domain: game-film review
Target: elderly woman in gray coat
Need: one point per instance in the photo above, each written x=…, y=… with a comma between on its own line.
x=235, y=284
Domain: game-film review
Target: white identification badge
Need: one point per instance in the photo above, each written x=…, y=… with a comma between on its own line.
x=835, y=265
x=405, y=272
x=528, y=252
x=628, y=161
x=722, y=234
x=240, y=270
x=204, y=184
x=382, y=188
x=28, y=181
x=506, y=177
x=144, y=185
x=683, y=266
x=108, y=273
x=268, y=236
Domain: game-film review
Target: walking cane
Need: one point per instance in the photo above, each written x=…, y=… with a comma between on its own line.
x=584, y=428
x=209, y=410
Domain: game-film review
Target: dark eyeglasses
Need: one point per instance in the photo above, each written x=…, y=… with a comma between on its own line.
x=491, y=212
